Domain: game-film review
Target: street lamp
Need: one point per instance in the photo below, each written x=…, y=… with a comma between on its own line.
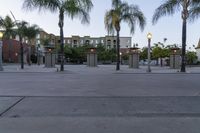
x=1, y=45
x=38, y=54
x=149, y=36
x=120, y=57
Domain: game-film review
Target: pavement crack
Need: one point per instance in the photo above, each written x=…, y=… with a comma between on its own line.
x=13, y=105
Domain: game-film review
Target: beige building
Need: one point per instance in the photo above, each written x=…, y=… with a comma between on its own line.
x=198, y=50
x=75, y=41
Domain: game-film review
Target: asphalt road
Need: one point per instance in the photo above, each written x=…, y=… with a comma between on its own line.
x=99, y=102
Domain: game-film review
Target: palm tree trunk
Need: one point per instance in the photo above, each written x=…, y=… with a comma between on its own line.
x=184, y=31
x=118, y=52
x=61, y=22
x=21, y=53
x=62, y=49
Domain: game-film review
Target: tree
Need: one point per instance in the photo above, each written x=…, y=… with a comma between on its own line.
x=8, y=25
x=190, y=10
x=143, y=53
x=30, y=33
x=123, y=12
x=45, y=41
x=160, y=51
x=156, y=52
x=191, y=57
x=21, y=31
x=72, y=8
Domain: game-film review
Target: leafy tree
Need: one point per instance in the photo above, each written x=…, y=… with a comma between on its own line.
x=159, y=51
x=144, y=53
x=191, y=57
x=45, y=41
x=123, y=12
x=156, y=52
x=125, y=56
x=190, y=10
x=72, y=8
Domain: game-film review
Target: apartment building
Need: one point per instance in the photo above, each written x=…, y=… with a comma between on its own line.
x=76, y=41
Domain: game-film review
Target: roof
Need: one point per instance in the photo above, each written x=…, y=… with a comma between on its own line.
x=198, y=46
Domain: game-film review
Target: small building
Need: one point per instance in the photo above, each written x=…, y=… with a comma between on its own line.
x=198, y=50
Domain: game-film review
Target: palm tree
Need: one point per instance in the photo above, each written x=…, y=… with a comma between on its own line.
x=8, y=25
x=21, y=31
x=190, y=10
x=123, y=12
x=71, y=8
x=31, y=33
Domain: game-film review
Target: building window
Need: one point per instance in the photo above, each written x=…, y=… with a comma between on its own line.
x=92, y=41
x=38, y=36
x=102, y=41
x=109, y=42
x=108, y=46
x=68, y=41
x=81, y=41
x=87, y=41
x=38, y=41
x=75, y=41
x=114, y=41
x=97, y=41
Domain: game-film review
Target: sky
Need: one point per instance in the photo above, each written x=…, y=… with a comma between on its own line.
x=169, y=27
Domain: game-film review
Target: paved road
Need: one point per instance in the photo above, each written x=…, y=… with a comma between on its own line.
x=114, y=84
x=99, y=101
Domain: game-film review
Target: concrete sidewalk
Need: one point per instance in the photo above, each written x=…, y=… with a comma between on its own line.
x=97, y=70
x=27, y=68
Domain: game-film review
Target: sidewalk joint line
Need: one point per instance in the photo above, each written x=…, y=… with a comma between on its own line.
x=9, y=108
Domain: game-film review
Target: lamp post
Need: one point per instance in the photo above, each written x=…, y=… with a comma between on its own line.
x=174, y=53
x=120, y=57
x=149, y=36
x=50, y=51
x=1, y=46
x=38, y=54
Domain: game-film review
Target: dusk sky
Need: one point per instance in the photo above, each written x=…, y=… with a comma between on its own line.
x=167, y=27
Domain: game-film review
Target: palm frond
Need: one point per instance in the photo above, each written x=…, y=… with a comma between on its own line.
x=116, y=3
x=31, y=31
x=167, y=8
x=78, y=8
x=194, y=12
x=110, y=21
x=133, y=15
x=8, y=26
x=52, y=5
x=130, y=14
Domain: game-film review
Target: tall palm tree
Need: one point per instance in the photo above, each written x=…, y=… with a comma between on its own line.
x=123, y=12
x=72, y=8
x=21, y=31
x=8, y=25
x=31, y=33
x=190, y=11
